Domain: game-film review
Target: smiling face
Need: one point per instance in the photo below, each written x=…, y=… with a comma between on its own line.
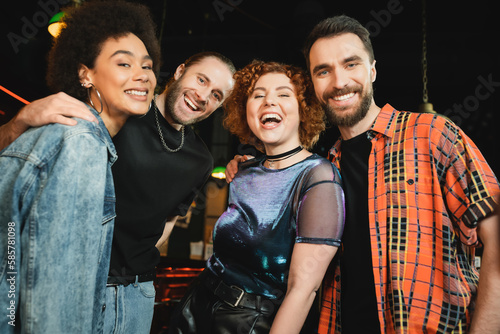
x=197, y=91
x=273, y=112
x=123, y=75
x=342, y=75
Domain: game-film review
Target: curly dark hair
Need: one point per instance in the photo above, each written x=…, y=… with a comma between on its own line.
x=312, y=117
x=87, y=28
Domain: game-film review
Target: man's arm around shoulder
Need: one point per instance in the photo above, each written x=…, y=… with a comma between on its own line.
x=57, y=108
x=10, y=131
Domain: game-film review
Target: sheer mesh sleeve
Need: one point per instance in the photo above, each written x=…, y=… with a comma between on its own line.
x=320, y=217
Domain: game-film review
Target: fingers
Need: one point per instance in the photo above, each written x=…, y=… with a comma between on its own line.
x=246, y=157
x=55, y=108
x=68, y=106
x=63, y=120
x=77, y=109
x=231, y=170
x=232, y=166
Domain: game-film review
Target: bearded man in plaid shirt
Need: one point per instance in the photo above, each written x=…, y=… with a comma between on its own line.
x=420, y=198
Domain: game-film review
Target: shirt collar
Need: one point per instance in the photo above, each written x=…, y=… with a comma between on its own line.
x=383, y=124
x=113, y=156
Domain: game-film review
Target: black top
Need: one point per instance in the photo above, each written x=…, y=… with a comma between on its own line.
x=152, y=185
x=358, y=301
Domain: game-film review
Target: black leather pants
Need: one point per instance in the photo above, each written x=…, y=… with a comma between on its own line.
x=200, y=311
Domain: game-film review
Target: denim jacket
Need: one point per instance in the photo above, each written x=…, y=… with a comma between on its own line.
x=57, y=212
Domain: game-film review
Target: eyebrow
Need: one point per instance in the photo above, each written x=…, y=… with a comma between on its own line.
x=320, y=67
x=204, y=76
x=277, y=88
x=129, y=53
x=207, y=79
x=352, y=58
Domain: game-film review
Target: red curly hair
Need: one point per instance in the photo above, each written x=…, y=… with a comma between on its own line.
x=312, y=116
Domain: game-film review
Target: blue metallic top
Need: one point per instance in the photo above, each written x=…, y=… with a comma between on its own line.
x=269, y=211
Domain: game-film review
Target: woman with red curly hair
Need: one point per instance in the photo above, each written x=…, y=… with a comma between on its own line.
x=285, y=217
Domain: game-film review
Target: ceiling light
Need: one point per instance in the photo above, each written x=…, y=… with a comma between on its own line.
x=219, y=172
x=56, y=24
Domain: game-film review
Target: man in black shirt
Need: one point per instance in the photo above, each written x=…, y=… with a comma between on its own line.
x=162, y=164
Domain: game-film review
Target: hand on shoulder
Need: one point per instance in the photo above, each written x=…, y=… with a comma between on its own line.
x=56, y=108
x=232, y=166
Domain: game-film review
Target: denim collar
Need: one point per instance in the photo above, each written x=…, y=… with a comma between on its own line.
x=103, y=133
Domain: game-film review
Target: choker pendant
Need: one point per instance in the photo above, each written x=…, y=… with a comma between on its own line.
x=271, y=159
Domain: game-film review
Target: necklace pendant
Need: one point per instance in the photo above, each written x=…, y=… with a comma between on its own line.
x=271, y=159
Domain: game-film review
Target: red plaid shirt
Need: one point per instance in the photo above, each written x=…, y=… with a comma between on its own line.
x=428, y=187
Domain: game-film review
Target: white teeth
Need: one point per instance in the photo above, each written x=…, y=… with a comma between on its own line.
x=136, y=92
x=343, y=97
x=270, y=117
x=194, y=107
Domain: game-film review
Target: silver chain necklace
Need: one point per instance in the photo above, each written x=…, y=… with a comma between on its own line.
x=161, y=133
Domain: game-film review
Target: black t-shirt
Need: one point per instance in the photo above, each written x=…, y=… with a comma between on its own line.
x=358, y=301
x=152, y=184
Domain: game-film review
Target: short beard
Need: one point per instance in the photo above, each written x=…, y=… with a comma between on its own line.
x=350, y=119
x=172, y=94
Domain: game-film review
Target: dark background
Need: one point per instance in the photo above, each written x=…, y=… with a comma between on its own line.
x=462, y=40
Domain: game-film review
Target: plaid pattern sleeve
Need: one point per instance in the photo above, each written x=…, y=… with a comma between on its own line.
x=429, y=187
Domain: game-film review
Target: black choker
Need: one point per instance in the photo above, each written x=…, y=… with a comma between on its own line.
x=273, y=158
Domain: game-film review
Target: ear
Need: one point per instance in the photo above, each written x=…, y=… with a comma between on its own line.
x=84, y=75
x=179, y=71
x=373, y=71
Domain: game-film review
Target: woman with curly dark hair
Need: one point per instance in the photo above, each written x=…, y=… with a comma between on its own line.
x=57, y=210
x=285, y=216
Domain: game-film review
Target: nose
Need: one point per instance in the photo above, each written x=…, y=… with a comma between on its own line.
x=269, y=100
x=203, y=94
x=141, y=74
x=339, y=79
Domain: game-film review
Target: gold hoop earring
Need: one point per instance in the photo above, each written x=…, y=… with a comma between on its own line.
x=98, y=95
